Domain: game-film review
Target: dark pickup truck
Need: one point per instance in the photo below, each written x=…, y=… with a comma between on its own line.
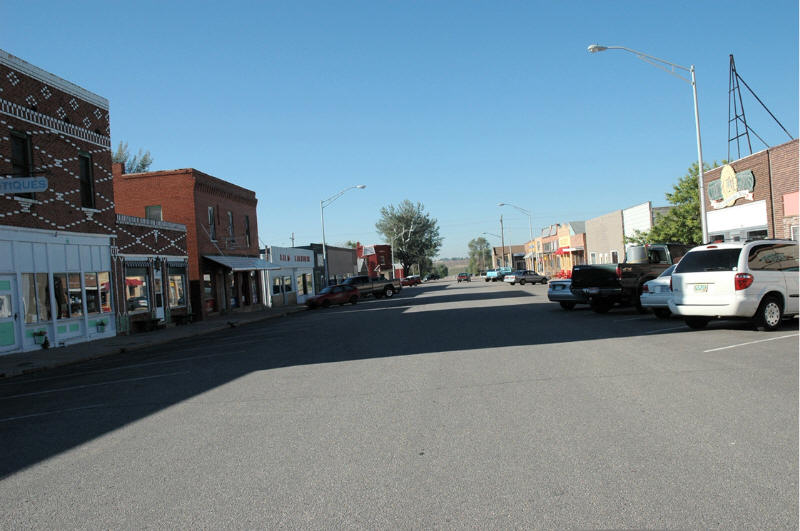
x=378, y=287
x=607, y=284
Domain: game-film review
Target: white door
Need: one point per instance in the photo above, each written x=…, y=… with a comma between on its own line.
x=9, y=314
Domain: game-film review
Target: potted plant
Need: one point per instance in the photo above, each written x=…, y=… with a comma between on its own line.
x=101, y=326
x=39, y=337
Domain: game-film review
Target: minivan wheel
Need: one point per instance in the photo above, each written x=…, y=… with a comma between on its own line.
x=696, y=323
x=768, y=315
x=521, y=282
x=389, y=292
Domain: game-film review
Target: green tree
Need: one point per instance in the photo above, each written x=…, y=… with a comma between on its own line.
x=351, y=244
x=682, y=222
x=138, y=163
x=441, y=270
x=480, y=255
x=412, y=232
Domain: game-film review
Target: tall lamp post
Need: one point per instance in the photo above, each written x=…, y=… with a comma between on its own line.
x=322, y=205
x=670, y=69
x=527, y=213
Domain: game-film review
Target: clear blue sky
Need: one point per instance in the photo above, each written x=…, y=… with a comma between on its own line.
x=458, y=105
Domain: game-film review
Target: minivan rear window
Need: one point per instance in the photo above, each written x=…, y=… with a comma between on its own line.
x=711, y=260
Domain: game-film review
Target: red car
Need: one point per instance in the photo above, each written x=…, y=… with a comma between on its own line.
x=411, y=280
x=339, y=294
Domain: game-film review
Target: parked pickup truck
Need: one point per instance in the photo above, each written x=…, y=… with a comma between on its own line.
x=497, y=274
x=607, y=284
x=378, y=287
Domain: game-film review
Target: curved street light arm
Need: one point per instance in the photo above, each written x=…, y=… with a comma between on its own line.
x=663, y=64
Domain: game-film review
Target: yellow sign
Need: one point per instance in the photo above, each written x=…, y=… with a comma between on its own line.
x=563, y=241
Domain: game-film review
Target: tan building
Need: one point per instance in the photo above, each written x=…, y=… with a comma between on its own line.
x=605, y=239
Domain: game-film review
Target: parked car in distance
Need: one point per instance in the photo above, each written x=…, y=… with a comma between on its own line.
x=430, y=276
x=465, y=277
x=410, y=280
x=559, y=291
x=338, y=294
x=523, y=276
x=497, y=274
x=756, y=280
x=656, y=293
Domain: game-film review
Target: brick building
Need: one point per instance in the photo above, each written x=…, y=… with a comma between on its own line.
x=55, y=243
x=374, y=260
x=221, y=233
x=150, y=274
x=755, y=196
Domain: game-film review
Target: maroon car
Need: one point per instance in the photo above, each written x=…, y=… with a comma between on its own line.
x=339, y=294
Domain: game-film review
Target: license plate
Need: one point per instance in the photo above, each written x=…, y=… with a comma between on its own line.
x=700, y=288
x=558, y=287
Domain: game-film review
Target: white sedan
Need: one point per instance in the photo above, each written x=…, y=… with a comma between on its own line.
x=656, y=293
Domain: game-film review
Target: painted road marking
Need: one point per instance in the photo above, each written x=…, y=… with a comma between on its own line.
x=95, y=406
x=92, y=385
x=665, y=329
x=751, y=343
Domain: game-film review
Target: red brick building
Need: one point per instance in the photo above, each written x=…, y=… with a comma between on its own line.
x=221, y=232
x=374, y=260
x=755, y=196
x=55, y=242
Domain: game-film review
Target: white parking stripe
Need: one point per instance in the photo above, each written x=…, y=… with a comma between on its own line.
x=95, y=406
x=92, y=385
x=751, y=343
x=665, y=329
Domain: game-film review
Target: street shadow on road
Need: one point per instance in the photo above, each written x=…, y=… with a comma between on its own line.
x=46, y=414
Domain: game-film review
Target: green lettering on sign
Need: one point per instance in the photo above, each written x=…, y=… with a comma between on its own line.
x=74, y=327
x=7, y=334
x=62, y=329
x=5, y=285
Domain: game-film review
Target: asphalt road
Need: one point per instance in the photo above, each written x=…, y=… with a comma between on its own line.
x=448, y=406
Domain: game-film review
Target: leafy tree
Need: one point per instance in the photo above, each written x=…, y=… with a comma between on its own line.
x=682, y=222
x=133, y=164
x=441, y=270
x=412, y=232
x=480, y=254
x=351, y=244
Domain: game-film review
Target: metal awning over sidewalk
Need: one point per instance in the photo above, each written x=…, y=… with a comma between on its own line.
x=242, y=263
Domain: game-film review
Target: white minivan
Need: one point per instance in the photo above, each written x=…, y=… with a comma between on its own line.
x=757, y=280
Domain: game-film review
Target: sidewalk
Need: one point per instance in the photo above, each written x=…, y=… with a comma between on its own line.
x=38, y=360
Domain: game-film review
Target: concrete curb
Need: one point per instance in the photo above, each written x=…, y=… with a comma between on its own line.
x=51, y=363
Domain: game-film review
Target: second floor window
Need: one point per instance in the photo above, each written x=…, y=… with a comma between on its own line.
x=21, y=160
x=87, y=180
x=230, y=224
x=153, y=212
x=247, y=231
x=212, y=230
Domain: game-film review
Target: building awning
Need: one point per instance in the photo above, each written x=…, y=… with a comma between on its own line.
x=529, y=255
x=242, y=263
x=573, y=249
x=562, y=250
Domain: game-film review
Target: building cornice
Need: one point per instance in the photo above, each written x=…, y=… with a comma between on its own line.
x=53, y=124
x=53, y=80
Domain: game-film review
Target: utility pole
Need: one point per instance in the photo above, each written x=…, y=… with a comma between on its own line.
x=292, y=238
x=502, y=241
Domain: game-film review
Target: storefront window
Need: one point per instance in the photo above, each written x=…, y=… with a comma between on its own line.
x=136, y=290
x=75, y=294
x=104, y=288
x=92, y=294
x=177, y=290
x=276, y=285
x=287, y=284
x=301, y=284
x=35, y=297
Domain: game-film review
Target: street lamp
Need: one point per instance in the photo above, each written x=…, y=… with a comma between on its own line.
x=526, y=212
x=322, y=205
x=670, y=69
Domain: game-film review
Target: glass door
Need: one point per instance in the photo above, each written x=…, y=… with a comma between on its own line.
x=9, y=314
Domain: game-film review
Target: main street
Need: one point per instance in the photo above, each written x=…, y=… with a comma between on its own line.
x=450, y=405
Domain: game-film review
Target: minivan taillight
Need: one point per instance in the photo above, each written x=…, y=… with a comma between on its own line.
x=619, y=273
x=645, y=289
x=742, y=281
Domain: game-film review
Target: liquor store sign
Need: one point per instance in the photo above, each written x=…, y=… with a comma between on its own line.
x=23, y=185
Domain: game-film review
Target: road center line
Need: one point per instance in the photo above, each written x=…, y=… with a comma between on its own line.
x=95, y=406
x=92, y=385
x=751, y=343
